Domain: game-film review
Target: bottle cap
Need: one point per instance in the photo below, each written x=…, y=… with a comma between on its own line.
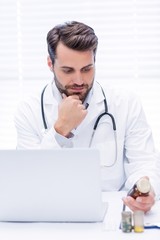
x=143, y=185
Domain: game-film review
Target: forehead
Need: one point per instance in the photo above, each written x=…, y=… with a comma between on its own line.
x=68, y=57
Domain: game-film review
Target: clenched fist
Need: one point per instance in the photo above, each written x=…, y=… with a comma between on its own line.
x=71, y=113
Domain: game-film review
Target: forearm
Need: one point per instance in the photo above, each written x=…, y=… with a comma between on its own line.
x=48, y=140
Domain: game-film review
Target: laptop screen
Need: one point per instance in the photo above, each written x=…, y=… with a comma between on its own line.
x=50, y=185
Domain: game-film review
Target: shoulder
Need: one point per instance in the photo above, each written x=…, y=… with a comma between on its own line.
x=34, y=99
x=30, y=102
x=122, y=102
x=119, y=95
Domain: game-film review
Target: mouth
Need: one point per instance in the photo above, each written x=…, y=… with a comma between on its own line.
x=80, y=90
x=77, y=89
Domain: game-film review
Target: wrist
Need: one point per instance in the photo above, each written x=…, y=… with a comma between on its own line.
x=61, y=129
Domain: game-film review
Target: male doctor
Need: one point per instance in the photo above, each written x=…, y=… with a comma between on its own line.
x=69, y=107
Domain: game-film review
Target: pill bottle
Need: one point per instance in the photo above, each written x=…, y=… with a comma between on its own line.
x=138, y=221
x=141, y=188
x=126, y=221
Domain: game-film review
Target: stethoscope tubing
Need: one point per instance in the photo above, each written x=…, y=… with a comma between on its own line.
x=95, y=125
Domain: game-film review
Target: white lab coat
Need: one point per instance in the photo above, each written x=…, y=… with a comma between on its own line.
x=136, y=155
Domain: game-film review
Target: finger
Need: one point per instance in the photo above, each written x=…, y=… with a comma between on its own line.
x=130, y=204
x=146, y=200
x=128, y=201
x=75, y=97
x=146, y=177
x=142, y=207
x=136, y=205
x=84, y=108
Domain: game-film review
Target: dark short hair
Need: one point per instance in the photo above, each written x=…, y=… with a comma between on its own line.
x=75, y=35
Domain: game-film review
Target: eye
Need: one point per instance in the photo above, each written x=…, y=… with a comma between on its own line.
x=67, y=70
x=86, y=69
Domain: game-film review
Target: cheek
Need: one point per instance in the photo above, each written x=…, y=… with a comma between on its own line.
x=88, y=78
x=62, y=78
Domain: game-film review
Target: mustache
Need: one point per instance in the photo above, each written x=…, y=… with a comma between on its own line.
x=77, y=86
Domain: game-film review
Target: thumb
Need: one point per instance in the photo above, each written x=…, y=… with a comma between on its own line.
x=64, y=95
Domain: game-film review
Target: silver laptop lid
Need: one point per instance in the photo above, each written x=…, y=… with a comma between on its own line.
x=50, y=185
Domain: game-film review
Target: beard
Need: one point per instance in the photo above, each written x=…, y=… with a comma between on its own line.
x=68, y=89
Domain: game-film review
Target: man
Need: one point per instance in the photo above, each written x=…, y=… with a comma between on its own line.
x=69, y=107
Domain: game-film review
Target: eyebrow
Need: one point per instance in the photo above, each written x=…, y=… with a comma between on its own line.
x=89, y=65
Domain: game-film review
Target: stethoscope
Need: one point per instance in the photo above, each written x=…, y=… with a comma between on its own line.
x=95, y=124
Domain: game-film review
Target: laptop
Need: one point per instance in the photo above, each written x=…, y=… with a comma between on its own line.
x=60, y=185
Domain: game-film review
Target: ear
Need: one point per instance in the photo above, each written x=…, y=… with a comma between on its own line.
x=49, y=62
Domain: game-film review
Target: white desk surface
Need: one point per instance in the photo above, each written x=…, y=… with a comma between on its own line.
x=108, y=230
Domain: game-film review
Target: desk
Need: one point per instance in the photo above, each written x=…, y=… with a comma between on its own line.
x=108, y=230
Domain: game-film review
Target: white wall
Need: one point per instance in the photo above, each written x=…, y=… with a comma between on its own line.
x=128, y=53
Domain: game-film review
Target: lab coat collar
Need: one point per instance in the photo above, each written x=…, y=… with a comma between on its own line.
x=96, y=106
x=52, y=97
x=97, y=93
x=52, y=93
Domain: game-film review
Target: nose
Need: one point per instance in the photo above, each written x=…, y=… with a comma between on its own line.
x=77, y=78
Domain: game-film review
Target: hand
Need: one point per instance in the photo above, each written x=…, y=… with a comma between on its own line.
x=140, y=203
x=71, y=113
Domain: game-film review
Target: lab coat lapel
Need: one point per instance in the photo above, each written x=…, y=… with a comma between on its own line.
x=96, y=106
x=51, y=101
